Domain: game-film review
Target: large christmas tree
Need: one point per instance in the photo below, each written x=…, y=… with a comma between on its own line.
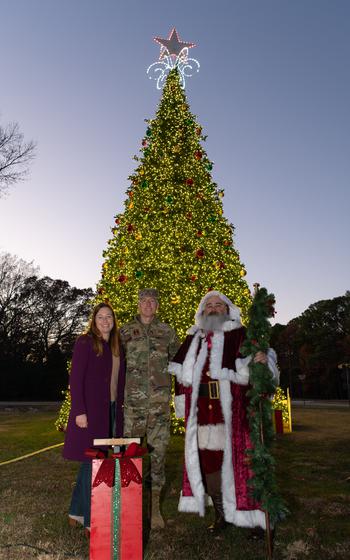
x=172, y=234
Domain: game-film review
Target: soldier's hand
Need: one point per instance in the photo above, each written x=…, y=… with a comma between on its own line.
x=81, y=421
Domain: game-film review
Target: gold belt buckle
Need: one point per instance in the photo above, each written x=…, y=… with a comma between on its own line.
x=214, y=390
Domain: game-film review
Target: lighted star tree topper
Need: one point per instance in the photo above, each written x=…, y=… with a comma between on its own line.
x=173, y=54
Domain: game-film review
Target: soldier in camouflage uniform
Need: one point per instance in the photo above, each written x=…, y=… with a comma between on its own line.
x=149, y=345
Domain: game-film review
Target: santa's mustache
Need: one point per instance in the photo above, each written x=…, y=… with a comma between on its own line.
x=213, y=321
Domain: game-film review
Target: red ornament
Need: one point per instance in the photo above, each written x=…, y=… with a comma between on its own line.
x=200, y=253
x=144, y=142
x=198, y=154
x=254, y=342
x=131, y=194
x=100, y=291
x=122, y=278
x=189, y=182
x=199, y=233
x=227, y=243
x=193, y=278
x=220, y=264
x=130, y=228
x=117, y=221
x=189, y=215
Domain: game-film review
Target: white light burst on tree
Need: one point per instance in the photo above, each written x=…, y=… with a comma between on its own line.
x=173, y=54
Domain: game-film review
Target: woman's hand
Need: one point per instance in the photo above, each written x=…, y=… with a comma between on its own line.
x=81, y=421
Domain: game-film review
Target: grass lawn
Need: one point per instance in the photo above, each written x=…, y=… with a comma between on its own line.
x=313, y=473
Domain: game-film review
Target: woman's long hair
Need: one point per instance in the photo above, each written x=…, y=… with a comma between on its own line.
x=97, y=339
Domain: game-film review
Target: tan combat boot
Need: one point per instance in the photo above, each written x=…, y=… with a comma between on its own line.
x=157, y=521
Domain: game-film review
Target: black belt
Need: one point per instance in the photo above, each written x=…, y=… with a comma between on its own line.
x=211, y=390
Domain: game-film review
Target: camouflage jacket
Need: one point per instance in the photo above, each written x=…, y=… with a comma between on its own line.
x=148, y=350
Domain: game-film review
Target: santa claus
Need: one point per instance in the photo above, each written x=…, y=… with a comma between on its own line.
x=212, y=380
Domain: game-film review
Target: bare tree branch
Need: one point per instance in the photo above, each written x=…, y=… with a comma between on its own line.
x=15, y=156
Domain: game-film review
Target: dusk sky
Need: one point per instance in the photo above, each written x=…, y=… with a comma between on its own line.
x=272, y=94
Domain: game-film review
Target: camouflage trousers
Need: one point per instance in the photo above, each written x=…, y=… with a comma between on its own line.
x=154, y=424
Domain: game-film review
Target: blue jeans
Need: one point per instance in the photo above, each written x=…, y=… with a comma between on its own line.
x=81, y=497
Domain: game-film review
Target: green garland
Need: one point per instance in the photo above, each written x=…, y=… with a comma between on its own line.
x=263, y=482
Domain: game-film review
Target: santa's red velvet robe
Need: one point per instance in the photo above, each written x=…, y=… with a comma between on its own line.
x=219, y=354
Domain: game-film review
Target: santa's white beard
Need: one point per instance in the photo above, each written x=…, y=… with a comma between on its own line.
x=213, y=321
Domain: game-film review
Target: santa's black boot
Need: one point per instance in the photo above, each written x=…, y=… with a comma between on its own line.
x=219, y=523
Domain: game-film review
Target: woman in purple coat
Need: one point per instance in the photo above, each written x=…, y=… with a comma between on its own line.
x=97, y=382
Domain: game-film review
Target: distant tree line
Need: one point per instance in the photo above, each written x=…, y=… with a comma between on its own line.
x=312, y=346
x=39, y=321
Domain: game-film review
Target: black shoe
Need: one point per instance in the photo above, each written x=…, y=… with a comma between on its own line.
x=218, y=526
x=258, y=534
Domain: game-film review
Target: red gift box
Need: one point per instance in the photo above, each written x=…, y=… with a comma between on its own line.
x=279, y=421
x=116, y=509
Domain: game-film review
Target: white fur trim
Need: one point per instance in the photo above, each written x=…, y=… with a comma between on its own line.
x=253, y=518
x=211, y=436
x=217, y=372
x=216, y=354
x=179, y=405
x=174, y=368
x=242, y=370
x=189, y=504
x=190, y=363
x=191, y=442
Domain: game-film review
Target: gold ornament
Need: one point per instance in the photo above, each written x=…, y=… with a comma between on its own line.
x=175, y=299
